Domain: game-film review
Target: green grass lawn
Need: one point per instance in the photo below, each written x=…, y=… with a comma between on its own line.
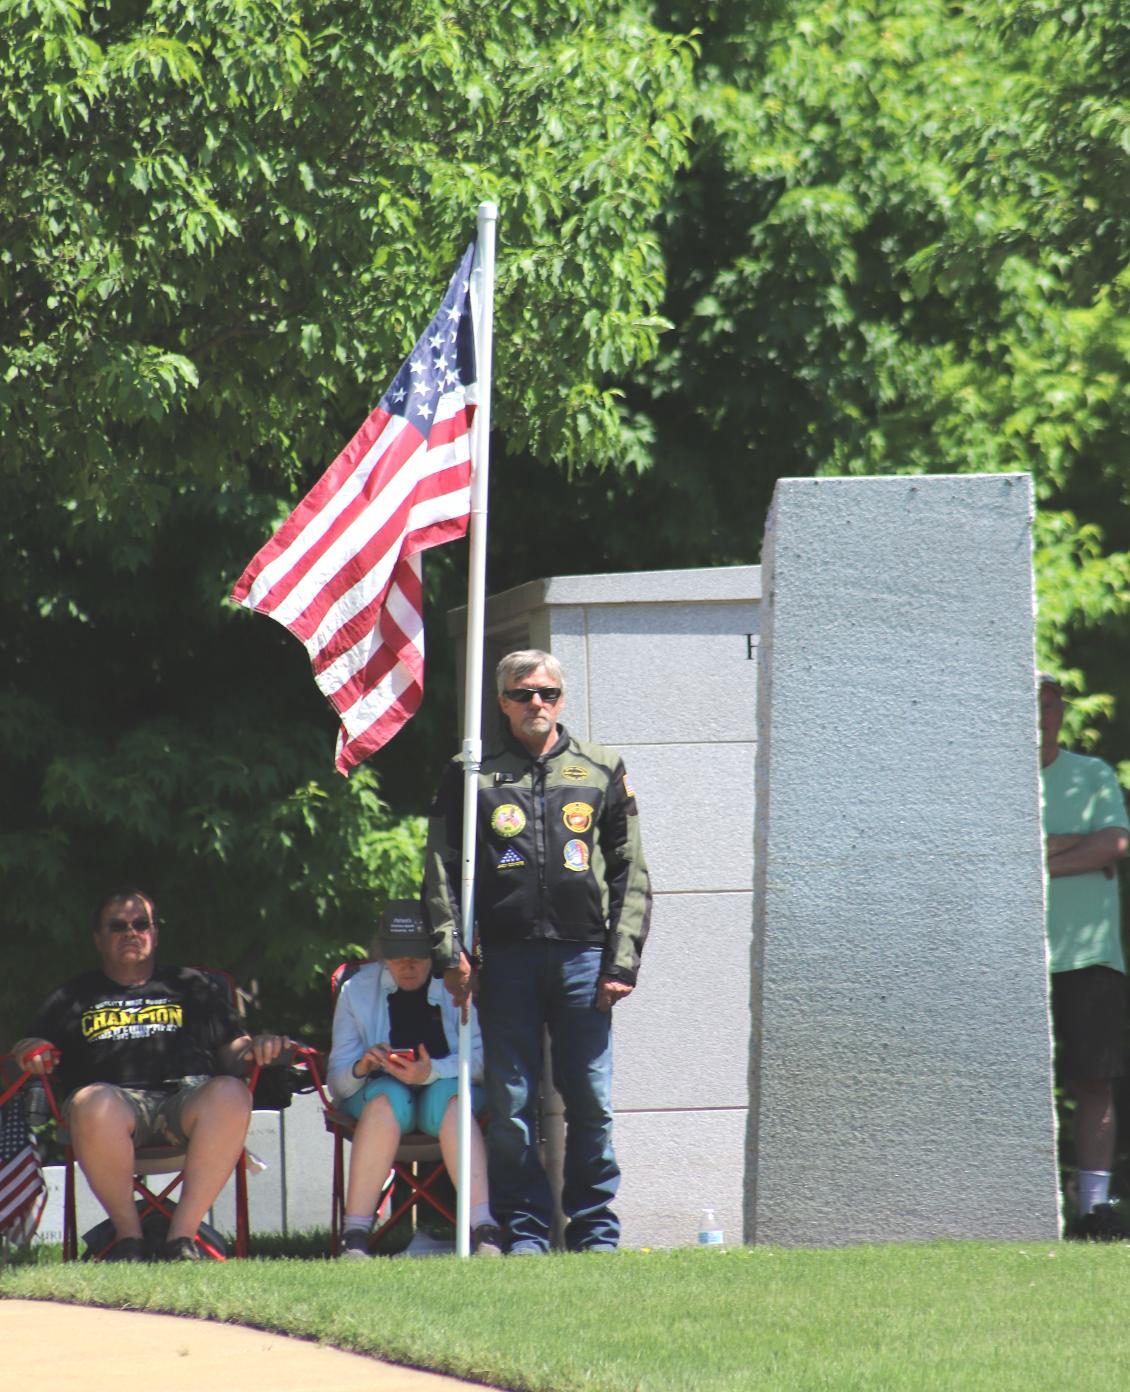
x=944, y=1315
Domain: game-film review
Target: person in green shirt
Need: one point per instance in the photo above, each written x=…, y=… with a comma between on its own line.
x=1087, y=832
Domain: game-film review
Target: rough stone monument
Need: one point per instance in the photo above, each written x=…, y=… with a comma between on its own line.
x=900, y=1079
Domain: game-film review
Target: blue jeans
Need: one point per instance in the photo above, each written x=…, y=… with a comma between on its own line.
x=524, y=988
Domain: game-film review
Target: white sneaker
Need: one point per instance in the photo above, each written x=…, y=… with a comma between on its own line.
x=423, y=1244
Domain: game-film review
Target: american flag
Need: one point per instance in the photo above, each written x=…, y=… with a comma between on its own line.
x=23, y=1192
x=343, y=572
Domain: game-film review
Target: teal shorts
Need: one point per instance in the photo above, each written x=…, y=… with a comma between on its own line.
x=415, y=1108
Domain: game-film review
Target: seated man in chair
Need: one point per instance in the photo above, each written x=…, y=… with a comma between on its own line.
x=147, y=1056
x=393, y=1067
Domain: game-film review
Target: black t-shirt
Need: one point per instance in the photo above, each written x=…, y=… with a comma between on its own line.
x=137, y=1036
x=413, y=1020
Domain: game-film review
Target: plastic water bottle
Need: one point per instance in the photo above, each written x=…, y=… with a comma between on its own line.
x=709, y=1233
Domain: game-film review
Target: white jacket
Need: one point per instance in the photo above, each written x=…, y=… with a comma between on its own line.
x=361, y=1020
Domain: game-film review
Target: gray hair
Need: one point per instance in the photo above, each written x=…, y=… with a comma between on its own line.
x=516, y=665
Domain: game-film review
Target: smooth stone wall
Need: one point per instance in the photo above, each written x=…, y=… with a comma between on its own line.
x=661, y=665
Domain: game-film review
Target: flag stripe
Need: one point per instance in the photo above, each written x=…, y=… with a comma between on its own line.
x=313, y=564
x=397, y=443
x=19, y=1187
x=400, y=626
x=355, y=612
x=403, y=701
x=367, y=557
x=395, y=690
x=22, y=1187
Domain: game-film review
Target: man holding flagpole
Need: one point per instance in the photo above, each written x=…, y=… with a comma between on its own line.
x=563, y=906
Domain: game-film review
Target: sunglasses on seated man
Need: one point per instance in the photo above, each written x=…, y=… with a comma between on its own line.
x=123, y=925
x=550, y=695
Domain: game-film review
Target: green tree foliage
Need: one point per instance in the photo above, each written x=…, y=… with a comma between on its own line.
x=1067, y=187
x=222, y=225
x=901, y=247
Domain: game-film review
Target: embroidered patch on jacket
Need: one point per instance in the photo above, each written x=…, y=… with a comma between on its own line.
x=508, y=819
x=575, y=774
x=577, y=816
x=628, y=789
x=510, y=860
x=576, y=856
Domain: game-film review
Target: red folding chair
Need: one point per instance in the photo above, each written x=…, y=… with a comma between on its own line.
x=418, y=1164
x=150, y=1161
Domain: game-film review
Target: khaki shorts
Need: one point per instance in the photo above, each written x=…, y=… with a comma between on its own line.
x=157, y=1115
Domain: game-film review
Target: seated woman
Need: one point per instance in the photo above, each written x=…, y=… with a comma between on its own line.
x=393, y=1066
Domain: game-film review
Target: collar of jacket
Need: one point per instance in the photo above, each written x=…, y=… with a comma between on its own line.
x=517, y=747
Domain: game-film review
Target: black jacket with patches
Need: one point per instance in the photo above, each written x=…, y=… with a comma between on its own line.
x=558, y=854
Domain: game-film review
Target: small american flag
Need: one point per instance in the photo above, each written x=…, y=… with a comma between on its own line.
x=343, y=572
x=23, y=1192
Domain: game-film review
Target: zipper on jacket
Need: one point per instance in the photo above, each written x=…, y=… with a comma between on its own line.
x=540, y=846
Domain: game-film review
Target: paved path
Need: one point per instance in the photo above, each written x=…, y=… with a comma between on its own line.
x=72, y=1348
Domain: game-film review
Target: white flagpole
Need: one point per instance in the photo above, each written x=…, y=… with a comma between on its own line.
x=482, y=304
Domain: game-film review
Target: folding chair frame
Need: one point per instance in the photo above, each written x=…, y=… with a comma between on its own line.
x=149, y=1160
x=416, y=1148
